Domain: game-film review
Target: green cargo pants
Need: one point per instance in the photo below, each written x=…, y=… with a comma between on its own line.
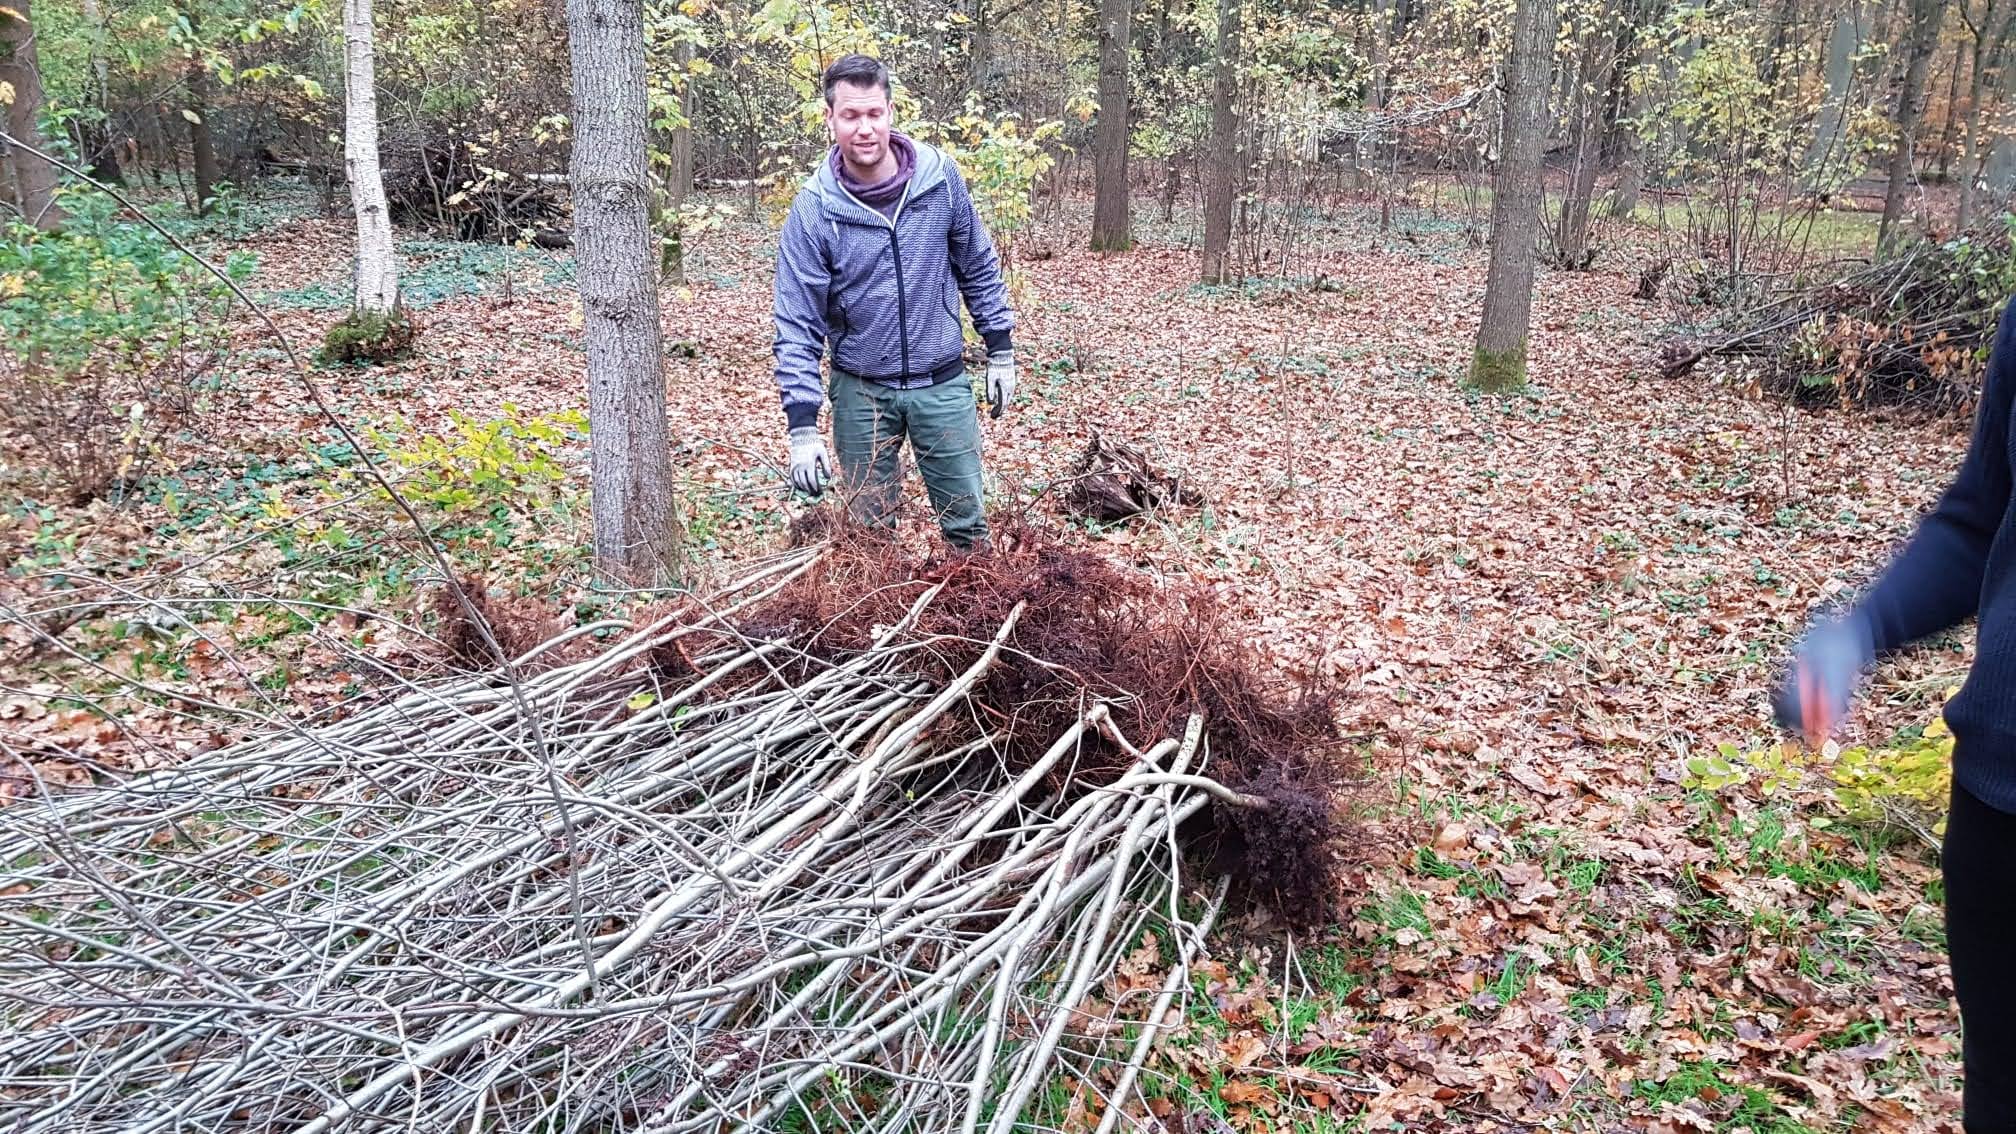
x=942, y=423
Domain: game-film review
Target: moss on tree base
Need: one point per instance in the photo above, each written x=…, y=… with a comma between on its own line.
x=1498, y=371
x=369, y=337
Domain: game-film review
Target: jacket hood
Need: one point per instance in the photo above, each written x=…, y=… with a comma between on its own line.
x=840, y=205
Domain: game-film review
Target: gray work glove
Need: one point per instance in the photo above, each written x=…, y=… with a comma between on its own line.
x=1814, y=695
x=1001, y=379
x=810, y=466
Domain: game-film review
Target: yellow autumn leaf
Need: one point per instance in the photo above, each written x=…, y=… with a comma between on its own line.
x=192, y=116
x=12, y=285
x=6, y=94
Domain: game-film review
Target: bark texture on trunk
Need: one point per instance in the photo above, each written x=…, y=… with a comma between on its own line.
x=1110, y=229
x=1987, y=55
x=196, y=112
x=636, y=511
x=1998, y=173
x=377, y=261
x=679, y=179
x=96, y=143
x=1221, y=175
x=1499, y=363
x=1921, y=38
x=34, y=179
x=1825, y=156
x=1637, y=43
x=1592, y=78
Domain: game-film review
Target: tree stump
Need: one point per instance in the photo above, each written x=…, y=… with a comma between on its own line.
x=1112, y=481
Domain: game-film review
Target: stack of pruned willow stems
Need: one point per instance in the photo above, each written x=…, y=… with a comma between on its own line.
x=776, y=893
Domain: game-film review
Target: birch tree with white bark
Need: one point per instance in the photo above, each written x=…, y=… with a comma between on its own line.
x=377, y=261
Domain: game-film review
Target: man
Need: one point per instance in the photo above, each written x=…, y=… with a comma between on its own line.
x=1960, y=563
x=881, y=243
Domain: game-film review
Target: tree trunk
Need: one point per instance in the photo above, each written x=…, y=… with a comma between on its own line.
x=34, y=179
x=1110, y=229
x=1571, y=234
x=1970, y=150
x=202, y=151
x=96, y=144
x=1381, y=26
x=636, y=511
x=1998, y=172
x=1843, y=44
x=1617, y=93
x=1500, y=360
x=1380, y=20
x=679, y=179
x=980, y=60
x=377, y=263
x=1630, y=160
x=1970, y=161
x=1950, y=133
x=1991, y=44
x=1636, y=45
x=1783, y=17
x=1222, y=170
x=1921, y=38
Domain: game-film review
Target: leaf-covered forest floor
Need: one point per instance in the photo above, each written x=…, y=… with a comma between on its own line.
x=1537, y=608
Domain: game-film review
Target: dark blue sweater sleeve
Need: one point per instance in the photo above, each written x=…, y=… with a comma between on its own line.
x=1935, y=582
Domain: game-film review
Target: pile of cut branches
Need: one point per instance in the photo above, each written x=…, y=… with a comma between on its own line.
x=1909, y=329
x=836, y=845
x=439, y=183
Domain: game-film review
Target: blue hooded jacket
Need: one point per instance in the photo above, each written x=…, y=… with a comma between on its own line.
x=883, y=293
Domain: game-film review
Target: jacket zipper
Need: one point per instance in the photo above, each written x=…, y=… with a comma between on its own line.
x=902, y=307
x=895, y=255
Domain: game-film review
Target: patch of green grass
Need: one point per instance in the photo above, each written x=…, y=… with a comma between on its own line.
x=1401, y=909
x=1202, y=1011
x=1512, y=978
x=1299, y=1015
x=316, y=296
x=1330, y=968
x=1733, y=1106
x=1856, y=1034
x=1582, y=875
x=1586, y=1002
x=1433, y=865
x=442, y=269
x=1845, y=947
x=1822, y=871
x=1614, y=954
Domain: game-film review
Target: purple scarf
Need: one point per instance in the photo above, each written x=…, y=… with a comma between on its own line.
x=883, y=195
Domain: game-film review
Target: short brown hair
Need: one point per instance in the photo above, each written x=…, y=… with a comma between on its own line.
x=859, y=71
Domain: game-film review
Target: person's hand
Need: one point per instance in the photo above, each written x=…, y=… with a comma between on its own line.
x=810, y=466
x=1000, y=379
x=1826, y=668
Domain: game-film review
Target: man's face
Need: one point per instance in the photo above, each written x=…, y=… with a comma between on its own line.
x=859, y=119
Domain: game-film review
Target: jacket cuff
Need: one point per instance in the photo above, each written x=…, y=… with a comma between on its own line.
x=998, y=341
x=800, y=415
